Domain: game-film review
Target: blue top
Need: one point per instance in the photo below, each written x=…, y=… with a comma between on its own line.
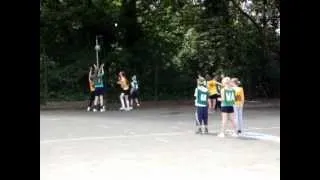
x=134, y=85
x=98, y=82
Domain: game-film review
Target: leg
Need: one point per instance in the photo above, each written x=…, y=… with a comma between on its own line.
x=214, y=103
x=236, y=116
x=210, y=103
x=205, y=119
x=233, y=122
x=132, y=98
x=137, y=98
x=137, y=102
x=122, y=101
x=240, y=119
x=218, y=104
x=101, y=103
x=96, y=98
x=196, y=116
x=199, y=120
x=126, y=97
x=224, y=117
x=131, y=102
x=234, y=125
x=91, y=99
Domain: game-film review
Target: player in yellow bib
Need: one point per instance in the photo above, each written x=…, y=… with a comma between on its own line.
x=212, y=85
x=91, y=76
x=238, y=106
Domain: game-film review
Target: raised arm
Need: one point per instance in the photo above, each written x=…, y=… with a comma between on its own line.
x=90, y=71
x=101, y=70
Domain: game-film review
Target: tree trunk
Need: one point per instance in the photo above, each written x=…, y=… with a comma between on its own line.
x=156, y=80
x=45, y=88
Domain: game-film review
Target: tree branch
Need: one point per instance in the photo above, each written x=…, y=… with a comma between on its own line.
x=238, y=7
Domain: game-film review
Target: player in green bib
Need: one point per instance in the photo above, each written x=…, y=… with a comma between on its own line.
x=99, y=89
x=201, y=102
x=228, y=97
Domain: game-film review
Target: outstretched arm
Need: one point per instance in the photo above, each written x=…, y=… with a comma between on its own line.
x=219, y=83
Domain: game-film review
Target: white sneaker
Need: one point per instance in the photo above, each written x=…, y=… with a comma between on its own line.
x=94, y=110
x=234, y=134
x=102, y=109
x=221, y=135
x=122, y=108
x=127, y=109
x=88, y=109
x=130, y=108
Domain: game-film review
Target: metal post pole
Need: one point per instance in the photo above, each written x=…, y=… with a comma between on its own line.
x=97, y=48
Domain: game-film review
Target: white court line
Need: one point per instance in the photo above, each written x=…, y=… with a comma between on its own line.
x=260, y=136
x=175, y=127
x=103, y=126
x=256, y=128
x=108, y=117
x=162, y=140
x=54, y=119
x=111, y=137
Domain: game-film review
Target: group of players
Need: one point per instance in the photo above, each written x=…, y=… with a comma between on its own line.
x=210, y=95
x=231, y=96
x=129, y=91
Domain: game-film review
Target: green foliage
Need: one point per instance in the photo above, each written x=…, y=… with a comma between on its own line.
x=165, y=43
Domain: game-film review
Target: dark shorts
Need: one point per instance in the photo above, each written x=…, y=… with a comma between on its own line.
x=202, y=113
x=214, y=96
x=126, y=92
x=227, y=109
x=99, y=91
x=92, y=95
x=135, y=94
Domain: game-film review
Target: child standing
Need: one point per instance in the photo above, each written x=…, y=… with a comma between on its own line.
x=124, y=96
x=227, y=102
x=99, y=89
x=201, y=102
x=238, y=107
x=134, y=93
x=91, y=87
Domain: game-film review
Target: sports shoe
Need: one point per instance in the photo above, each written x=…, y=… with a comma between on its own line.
x=206, y=131
x=221, y=135
x=234, y=134
x=199, y=131
x=103, y=109
x=94, y=110
x=88, y=109
x=122, y=108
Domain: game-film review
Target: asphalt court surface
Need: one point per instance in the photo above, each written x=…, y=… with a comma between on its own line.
x=156, y=144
